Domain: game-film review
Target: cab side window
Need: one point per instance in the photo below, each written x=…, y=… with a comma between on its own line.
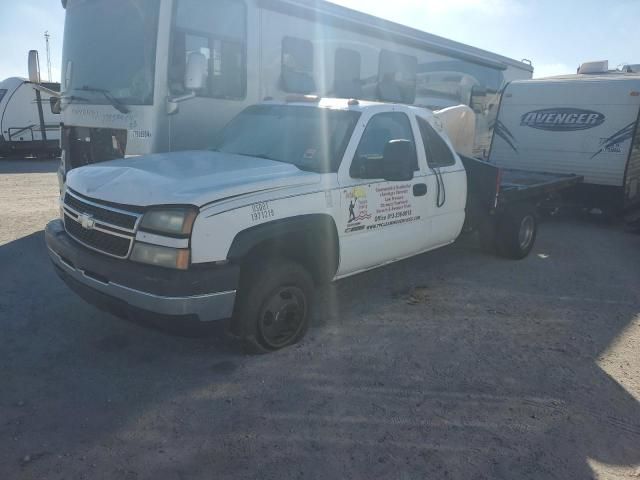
x=381, y=129
x=436, y=149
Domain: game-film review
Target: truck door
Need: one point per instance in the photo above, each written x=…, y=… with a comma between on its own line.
x=447, y=181
x=380, y=220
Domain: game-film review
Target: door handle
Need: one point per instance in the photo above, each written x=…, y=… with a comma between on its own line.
x=419, y=189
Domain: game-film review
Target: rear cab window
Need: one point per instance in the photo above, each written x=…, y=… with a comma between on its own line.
x=436, y=149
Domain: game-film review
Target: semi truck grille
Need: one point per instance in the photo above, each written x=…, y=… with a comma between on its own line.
x=99, y=227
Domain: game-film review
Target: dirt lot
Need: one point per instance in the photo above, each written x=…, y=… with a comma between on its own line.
x=453, y=364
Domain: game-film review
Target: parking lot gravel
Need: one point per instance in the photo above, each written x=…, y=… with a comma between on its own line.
x=453, y=364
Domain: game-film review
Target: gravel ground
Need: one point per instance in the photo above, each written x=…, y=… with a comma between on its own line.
x=454, y=364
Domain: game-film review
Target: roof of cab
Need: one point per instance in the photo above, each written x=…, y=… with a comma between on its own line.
x=342, y=103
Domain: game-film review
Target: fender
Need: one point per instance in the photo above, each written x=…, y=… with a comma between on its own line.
x=312, y=239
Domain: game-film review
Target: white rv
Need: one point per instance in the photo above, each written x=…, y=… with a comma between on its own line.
x=584, y=124
x=145, y=76
x=27, y=122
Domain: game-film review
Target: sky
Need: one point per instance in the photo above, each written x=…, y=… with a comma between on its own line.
x=556, y=35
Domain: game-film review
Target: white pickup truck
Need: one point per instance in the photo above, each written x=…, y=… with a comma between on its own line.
x=296, y=194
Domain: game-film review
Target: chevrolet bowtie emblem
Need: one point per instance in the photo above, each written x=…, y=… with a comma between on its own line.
x=86, y=221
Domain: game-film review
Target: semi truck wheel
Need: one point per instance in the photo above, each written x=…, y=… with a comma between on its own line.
x=274, y=306
x=516, y=234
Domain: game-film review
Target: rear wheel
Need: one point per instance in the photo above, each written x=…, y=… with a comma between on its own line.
x=274, y=305
x=516, y=234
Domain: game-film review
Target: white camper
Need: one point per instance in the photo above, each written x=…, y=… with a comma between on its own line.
x=28, y=124
x=584, y=124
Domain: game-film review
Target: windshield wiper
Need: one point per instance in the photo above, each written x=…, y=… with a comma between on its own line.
x=110, y=98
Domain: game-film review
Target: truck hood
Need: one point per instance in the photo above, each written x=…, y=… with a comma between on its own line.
x=190, y=177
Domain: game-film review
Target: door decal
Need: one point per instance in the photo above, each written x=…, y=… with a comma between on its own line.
x=378, y=205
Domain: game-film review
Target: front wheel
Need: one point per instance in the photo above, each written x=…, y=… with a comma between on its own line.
x=516, y=234
x=273, y=306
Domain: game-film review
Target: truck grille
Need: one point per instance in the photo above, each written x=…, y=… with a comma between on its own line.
x=101, y=213
x=104, y=242
x=100, y=227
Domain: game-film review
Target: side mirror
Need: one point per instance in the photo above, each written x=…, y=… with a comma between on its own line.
x=398, y=164
x=196, y=71
x=195, y=78
x=54, y=102
x=34, y=66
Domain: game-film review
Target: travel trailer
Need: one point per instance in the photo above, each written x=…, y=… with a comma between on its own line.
x=179, y=70
x=28, y=124
x=584, y=124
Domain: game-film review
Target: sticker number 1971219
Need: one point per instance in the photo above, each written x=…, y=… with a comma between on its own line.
x=261, y=211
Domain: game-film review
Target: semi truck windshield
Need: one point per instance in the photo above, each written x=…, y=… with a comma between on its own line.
x=110, y=45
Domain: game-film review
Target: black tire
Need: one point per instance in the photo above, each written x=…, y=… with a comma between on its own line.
x=273, y=306
x=516, y=234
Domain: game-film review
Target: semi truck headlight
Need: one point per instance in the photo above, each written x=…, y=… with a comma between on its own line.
x=172, y=221
x=161, y=256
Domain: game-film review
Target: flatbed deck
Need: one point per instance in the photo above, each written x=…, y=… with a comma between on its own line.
x=494, y=188
x=518, y=185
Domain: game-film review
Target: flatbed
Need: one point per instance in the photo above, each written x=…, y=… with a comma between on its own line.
x=497, y=188
x=497, y=197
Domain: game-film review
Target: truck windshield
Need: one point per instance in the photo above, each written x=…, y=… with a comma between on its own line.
x=110, y=45
x=307, y=137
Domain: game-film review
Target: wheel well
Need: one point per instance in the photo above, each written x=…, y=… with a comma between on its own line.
x=310, y=240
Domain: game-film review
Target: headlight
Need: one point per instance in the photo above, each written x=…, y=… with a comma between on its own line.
x=174, y=221
x=161, y=256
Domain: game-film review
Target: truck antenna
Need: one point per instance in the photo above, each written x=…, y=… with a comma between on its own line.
x=46, y=39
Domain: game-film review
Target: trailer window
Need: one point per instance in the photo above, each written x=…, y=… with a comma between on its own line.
x=436, y=149
x=381, y=129
x=3, y=92
x=397, y=77
x=347, y=82
x=218, y=31
x=297, y=65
